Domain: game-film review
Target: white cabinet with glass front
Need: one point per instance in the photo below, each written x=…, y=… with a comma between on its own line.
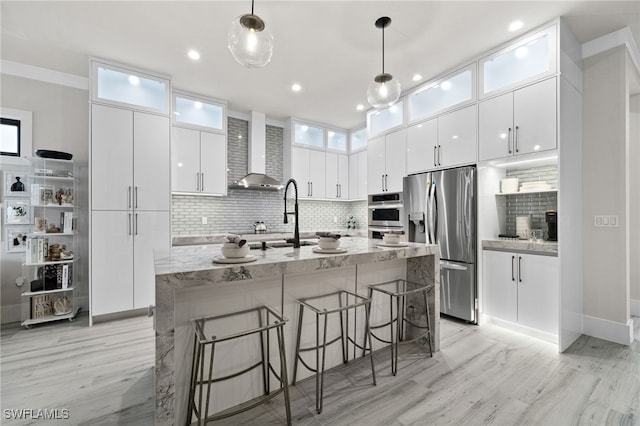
x=520, y=122
x=526, y=60
x=381, y=121
x=443, y=94
x=50, y=285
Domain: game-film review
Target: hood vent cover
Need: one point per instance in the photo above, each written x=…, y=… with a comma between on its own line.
x=257, y=178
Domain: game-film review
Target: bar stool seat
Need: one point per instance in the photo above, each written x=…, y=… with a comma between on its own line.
x=336, y=304
x=398, y=291
x=204, y=349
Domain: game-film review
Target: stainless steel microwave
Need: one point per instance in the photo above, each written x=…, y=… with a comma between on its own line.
x=386, y=210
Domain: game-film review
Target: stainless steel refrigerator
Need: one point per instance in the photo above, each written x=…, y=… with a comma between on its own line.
x=441, y=209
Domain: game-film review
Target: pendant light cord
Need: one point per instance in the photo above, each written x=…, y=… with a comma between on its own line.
x=252, y=6
x=382, y=49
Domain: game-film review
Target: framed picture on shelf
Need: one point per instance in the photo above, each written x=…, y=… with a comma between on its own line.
x=17, y=239
x=17, y=212
x=15, y=184
x=46, y=195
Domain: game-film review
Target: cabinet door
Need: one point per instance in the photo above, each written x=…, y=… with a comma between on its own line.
x=496, y=127
x=111, y=158
x=376, y=165
x=362, y=175
x=343, y=176
x=213, y=163
x=151, y=232
x=500, y=288
x=422, y=141
x=185, y=160
x=317, y=173
x=538, y=292
x=396, y=158
x=534, y=116
x=457, y=137
x=111, y=262
x=331, y=180
x=152, y=187
x=353, y=176
x=300, y=171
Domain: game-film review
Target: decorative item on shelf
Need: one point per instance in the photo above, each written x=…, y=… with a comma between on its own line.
x=46, y=195
x=37, y=250
x=57, y=155
x=41, y=306
x=41, y=225
x=17, y=212
x=17, y=239
x=15, y=184
x=384, y=90
x=509, y=185
x=250, y=41
x=62, y=306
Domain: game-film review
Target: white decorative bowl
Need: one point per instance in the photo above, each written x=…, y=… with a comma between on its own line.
x=392, y=238
x=509, y=185
x=328, y=243
x=231, y=250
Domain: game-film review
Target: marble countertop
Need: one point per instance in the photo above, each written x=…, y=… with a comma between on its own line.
x=286, y=259
x=191, y=240
x=545, y=247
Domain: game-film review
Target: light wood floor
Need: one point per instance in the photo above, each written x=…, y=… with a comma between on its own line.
x=483, y=375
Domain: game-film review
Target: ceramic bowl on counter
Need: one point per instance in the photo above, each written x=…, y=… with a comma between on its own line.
x=233, y=251
x=328, y=243
x=390, y=238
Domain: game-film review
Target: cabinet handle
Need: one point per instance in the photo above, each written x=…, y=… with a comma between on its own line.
x=197, y=182
x=519, y=268
x=311, y=189
x=129, y=197
x=129, y=225
x=516, y=138
x=340, y=192
x=386, y=182
x=513, y=277
x=135, y=193
x=435, y=149
x=509, y=141
x=135, y=225
x=202, y=179
x=439, y=155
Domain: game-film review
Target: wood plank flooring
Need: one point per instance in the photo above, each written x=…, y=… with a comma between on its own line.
x=483, y=375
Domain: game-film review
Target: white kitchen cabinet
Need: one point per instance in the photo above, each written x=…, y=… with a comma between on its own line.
x=308, y=169
x=337, y=176
x=522, y=288
x=519, y=122
x=129, y=160
x=447, y=141
x=130, y=206
x=358, y=175
x=380, y=121
x=198, y=162
x=386, y=162
x=528, y=59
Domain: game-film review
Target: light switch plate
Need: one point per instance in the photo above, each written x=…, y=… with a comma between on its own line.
x=606, y=220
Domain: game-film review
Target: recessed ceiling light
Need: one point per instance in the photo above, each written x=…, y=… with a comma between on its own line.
x=194, y=54
x=296, y=87
x=360, y=107
x=515, y=25
x=416, y=77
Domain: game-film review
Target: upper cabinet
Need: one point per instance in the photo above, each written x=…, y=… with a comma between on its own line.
x=127, y=87
x=386, y=158
x=337, y=141
x=308, y=135
x=198, y=112
x=527, y=60
x=380, y=121
x=443, y=94
x=358, y=140
x=308, y=169
x=520, y=122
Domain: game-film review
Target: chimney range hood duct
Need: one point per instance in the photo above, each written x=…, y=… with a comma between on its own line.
x=257, y=179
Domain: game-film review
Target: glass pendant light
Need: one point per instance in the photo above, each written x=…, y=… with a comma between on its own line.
x=384, y=90
x=249, y=41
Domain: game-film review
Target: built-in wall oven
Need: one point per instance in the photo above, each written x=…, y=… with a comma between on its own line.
x=386, y=212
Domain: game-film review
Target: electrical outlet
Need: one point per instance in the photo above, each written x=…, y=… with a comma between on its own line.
x=204, y=220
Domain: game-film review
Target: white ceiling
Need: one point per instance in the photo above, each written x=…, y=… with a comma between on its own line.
x=331, y=48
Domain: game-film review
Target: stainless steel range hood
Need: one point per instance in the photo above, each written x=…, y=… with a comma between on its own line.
x=257, y=177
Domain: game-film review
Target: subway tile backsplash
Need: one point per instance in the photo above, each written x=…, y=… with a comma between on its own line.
x=534, y=203
x=241, y=208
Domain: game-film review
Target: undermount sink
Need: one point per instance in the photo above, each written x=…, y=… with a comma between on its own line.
x=280, y=244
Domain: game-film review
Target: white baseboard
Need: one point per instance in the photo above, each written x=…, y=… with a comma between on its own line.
x=609, y=330
x=543, y=335
x=10, y=313
x=635, y=307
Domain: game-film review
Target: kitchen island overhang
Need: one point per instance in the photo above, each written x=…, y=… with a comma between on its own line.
x=276, y=277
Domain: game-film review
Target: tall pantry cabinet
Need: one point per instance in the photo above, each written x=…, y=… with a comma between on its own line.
x=130, y=205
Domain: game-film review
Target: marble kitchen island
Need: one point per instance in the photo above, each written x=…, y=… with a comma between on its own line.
x=189, y=285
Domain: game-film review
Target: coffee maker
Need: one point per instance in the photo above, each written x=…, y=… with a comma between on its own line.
x=551, y=217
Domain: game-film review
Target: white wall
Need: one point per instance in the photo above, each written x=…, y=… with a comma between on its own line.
x=603, y=188
x=634, y=178
x=61, y=123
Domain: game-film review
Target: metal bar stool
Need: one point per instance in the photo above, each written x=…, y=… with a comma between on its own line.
x=398, y=292
x=341, y=298
x=202, y=378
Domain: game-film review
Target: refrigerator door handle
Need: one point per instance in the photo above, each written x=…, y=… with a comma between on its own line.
x=449, y=265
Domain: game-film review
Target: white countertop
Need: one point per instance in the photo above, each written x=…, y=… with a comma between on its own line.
x=544, y=247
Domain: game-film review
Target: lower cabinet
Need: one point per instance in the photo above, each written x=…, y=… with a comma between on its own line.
x=522, y=288
x=122, y=267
